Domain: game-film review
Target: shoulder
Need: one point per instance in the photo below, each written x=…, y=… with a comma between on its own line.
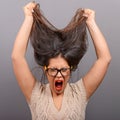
x=79, y=88
x=37, y=91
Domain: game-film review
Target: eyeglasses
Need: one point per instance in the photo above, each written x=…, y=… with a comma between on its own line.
x=54, y=71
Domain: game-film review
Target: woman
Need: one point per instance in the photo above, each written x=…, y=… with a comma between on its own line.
x=58, y=100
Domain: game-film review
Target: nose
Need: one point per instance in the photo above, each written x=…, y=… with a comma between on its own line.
x=59, y=74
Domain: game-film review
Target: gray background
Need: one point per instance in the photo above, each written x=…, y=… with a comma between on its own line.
x=105, y=103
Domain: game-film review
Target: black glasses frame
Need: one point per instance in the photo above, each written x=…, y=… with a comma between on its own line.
x=57, y=71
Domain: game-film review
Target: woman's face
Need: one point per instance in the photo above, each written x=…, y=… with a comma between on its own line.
x=58, y=74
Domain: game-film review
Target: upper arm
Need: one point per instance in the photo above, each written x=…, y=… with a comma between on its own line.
x=95, y=76
x=24, y=76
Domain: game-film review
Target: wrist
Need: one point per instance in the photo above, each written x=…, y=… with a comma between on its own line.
x=28, y=21
x=29, y=18
x=91, y=23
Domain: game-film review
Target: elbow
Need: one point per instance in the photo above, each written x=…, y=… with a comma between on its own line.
x=108, y=59
x=15, y=57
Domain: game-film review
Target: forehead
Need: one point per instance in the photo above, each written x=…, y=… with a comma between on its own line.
x=58, y=62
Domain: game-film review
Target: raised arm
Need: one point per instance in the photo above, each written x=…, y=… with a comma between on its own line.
x=97, y=72
x=23, y=75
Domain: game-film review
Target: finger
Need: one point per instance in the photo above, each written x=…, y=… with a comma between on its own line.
x=84, y=12
x=31, y=5
x=87, y=11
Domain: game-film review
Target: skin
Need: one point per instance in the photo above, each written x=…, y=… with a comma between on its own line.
x=91, y=79
x=58, y=63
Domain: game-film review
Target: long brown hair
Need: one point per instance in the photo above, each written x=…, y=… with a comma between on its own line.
x=49, y=42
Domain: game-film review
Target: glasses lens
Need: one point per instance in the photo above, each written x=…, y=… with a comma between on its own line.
x=65, y=71
x=52, y=71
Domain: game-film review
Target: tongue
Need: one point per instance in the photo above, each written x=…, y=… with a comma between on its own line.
x=58, y=87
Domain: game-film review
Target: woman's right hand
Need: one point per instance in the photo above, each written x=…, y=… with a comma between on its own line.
x=28, y=9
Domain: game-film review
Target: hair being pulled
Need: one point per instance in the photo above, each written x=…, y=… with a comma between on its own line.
x=49, y=42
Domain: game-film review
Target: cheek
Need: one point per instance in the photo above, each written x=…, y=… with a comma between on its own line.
x=50, y=79
x=67, y=79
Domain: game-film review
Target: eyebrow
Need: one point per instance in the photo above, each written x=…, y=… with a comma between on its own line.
x=57, y=67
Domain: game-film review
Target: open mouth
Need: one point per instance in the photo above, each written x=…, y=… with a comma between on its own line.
x=58, y=85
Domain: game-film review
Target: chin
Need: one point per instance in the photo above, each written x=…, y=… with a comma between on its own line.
x=59, y=92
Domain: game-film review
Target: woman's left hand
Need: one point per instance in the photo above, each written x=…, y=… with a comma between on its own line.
x=89, y=14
